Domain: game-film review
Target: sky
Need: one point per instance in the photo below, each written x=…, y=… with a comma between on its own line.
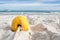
x=30, y=4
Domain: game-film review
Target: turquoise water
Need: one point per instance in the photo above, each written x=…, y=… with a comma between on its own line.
x=33, y=12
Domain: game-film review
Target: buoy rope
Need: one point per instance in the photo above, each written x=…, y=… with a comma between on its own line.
x=17, y=33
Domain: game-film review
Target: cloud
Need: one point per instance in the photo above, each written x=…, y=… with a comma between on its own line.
x=31, y=1
x=30, y=6
x=49, y=1
x=33, y=5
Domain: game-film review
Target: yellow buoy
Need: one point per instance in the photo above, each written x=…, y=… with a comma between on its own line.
x=19, y=20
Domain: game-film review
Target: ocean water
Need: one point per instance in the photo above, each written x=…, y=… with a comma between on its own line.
x=30, y=13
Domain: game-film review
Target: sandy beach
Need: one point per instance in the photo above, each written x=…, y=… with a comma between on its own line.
x=41, y=27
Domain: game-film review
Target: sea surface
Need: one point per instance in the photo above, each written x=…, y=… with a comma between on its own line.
x=30, y=13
